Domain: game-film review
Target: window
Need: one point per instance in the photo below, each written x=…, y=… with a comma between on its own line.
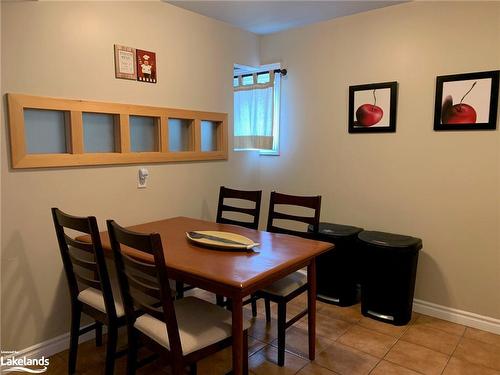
x=257, y=112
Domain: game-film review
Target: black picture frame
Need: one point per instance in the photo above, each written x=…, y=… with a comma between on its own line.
x=372, y=122
x=477, y=113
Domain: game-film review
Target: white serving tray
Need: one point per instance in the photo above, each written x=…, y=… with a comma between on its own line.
x=221, y=240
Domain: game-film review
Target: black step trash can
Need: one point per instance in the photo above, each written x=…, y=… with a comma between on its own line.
x=337, y=269
x=389, y=267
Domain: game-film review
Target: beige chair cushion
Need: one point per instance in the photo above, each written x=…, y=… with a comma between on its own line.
x=94, y=298
x=288, y=284
x=200, y=324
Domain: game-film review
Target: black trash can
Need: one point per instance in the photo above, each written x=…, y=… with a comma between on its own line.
x=337, y=270
x=389, y=267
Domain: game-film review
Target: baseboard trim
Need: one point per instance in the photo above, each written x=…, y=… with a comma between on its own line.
x=53, y=346
x=466, y=318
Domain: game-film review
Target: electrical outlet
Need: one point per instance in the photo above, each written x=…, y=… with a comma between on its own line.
x=142, y=178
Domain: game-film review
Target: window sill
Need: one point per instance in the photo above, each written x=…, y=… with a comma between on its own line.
x=269, y=153
x=261, y=152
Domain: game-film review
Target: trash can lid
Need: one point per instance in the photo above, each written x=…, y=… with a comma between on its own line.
x=390, y=240
x=336, y=230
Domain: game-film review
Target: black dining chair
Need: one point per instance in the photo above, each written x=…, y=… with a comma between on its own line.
x=294, y=284
x=248, y=218
x=89, y=286
x=183, y=331
x=252, y=213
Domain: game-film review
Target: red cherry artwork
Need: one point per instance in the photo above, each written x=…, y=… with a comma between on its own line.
x=459, y=113
x=369, y=114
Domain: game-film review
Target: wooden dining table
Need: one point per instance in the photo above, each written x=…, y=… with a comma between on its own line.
x=233, y=274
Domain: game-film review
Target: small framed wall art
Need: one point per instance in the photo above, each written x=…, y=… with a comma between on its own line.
x=125, y=66
x=146, y=66
x=372, y=108
x=466, y=101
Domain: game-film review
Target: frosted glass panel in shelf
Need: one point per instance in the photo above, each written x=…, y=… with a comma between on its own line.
x=98, y=132
x=45, y=131
x=179, y=134
x=209, y=136
x=142, y=134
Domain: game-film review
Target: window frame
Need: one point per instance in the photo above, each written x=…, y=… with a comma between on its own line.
x=243, y=70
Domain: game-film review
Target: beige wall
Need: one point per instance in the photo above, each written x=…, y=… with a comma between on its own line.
x=441, y=186
x=66, y=50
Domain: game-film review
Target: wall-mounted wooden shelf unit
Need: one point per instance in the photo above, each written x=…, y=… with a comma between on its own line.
x=49, y=132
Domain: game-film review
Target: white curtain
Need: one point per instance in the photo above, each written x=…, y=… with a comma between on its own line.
x=253, y=114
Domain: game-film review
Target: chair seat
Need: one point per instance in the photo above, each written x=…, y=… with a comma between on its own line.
x=288, y=284
x=200, y=324
x=94, y=298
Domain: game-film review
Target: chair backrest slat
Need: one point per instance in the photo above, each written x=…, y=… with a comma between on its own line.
x=96, y=284
x=311, y=202
x=137, y=284
x=84, y=246
x=73, y=263
x=291, y=232
x=143, y=285
x=302, y=219
x=91, y=266
x=237, y=222
x=148, y=269
x=248, y=211
x=73, y=222
x=296, y=200
x=251, y=196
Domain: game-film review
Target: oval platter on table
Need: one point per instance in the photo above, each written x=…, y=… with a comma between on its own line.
x=221, y=240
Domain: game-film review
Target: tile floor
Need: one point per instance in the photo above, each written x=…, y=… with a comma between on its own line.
x=347, y=344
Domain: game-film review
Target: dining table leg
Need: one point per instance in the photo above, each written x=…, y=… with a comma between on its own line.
x=237, y=319
x=311, y=308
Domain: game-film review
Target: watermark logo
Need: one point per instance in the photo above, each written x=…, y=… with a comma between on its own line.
x=10, y=363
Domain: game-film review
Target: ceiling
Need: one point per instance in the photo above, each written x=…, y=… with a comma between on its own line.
x=266, y=17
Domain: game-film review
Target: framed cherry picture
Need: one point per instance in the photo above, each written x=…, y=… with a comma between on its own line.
x=466, y=101
x=372, y=108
